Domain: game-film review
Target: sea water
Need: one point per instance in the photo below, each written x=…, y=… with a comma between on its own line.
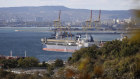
x=29, y=40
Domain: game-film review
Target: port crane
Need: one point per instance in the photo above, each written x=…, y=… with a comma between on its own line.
x=89, y=22
x=97, y=22
x=60, y=28
x=57, y=23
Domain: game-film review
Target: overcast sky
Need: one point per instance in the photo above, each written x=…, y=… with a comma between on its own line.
x=82, y=4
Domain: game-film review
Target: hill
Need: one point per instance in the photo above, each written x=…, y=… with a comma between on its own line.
x=49, y=13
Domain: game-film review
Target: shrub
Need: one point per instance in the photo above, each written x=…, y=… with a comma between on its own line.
x=28, y=62
x=58, y=63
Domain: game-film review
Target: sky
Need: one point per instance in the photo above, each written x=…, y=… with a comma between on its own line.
x=78, y=4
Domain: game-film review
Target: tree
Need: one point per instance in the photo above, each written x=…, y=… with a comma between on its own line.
x=28, y=62
x=50, y=69
x=9, y=63
x=44, y=64
x=58, y=63
x=83, y=53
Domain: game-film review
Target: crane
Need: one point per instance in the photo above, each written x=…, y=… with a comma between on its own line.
x=88, y=22
x=97, y=22
x=57, y=23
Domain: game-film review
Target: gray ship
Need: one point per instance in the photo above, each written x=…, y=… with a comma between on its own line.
x=66, y=45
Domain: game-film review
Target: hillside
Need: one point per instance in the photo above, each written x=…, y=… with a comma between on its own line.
x=50, y=13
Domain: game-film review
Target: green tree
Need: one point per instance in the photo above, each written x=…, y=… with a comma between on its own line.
x=50, y=69
x=58, y=63
x=44, y=64
x=28, y=62
x=84, y=52
x=9, y=63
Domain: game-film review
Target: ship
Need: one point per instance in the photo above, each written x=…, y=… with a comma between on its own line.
x=66, y=43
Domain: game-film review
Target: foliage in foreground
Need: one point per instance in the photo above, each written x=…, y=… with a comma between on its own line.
x=30, y=62
x=22, y=62
x=115, y=60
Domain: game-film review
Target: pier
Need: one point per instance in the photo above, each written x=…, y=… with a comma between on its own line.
x=81, y=31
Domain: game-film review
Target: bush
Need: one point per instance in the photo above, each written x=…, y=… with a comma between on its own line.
x=91, y=52
x=28, y=62
x=98, y=71
x=9, y=63
x=58, y=63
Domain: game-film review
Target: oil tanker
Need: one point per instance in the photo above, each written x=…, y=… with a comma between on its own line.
x=67, y=45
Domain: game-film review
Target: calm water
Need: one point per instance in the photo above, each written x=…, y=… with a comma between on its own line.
x=18, y=42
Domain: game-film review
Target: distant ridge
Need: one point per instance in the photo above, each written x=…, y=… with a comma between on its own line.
x=50, y=13
x=36, y=7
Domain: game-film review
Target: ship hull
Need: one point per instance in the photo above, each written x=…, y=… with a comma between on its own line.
x=59, y=48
